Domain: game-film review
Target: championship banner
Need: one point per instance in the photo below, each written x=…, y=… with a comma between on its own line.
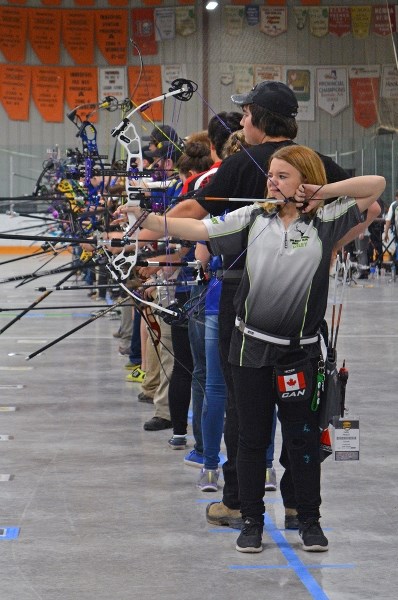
x=165, y=24
x=113, y=82
x=149, y=86
x=267, y=73
x=78, y=35
x=300, y=16
x=339, y=20
x=361, y=17
x=273, y=20
x=384, y=20
x=48, y=92
x=172, y=72
x=227, y=75
x=332, y=89
x=15, y=91
x=143, y=27
x=243, y=77
x=111, y=32
x=185, y=17
x=13, y=29
x=364, y=85
x=389, y=82
x=301, y=81
x=81, y=87
x=252, y=14
x=45, y=34
x=233, y=17
x=319, y=21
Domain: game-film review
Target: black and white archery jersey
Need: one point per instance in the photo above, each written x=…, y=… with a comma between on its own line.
x=285, y=282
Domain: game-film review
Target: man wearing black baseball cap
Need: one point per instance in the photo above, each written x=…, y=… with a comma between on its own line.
x=166, y=150
x=272, y=95
x=161, y=133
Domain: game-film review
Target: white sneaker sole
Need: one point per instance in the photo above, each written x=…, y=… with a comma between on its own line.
x=250, y=550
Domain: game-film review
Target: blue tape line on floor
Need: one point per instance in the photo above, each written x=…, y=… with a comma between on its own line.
x=300, y=569
x=9, y=533
x=247, y=567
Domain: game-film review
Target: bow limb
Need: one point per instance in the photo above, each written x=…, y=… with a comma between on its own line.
x=153, y=305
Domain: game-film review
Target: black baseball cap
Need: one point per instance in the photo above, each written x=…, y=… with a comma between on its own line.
x=161, y=134
x=167, y=150
x=275, y=96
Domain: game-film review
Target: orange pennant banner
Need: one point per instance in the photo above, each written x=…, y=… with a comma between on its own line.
x=149, y=88
x=111, y=30
x=13, y=29
x=81, y=87
x=365, y=94
x=78, y=35
x=45, y=34
x=48, y=92
x=15, y=91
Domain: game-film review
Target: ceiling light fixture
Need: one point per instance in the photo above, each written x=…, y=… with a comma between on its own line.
x=211, y=5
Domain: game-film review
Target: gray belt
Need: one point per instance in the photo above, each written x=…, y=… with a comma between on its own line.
x=272, y=339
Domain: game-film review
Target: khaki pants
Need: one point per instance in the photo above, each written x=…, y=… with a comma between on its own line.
x=152, y=373
x=165, y=350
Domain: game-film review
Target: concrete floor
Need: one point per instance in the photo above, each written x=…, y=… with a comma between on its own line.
x=96, y=508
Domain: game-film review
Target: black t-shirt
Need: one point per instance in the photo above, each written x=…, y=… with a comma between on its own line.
x=243, y=175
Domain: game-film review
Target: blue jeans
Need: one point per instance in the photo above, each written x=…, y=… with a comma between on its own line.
x=196, y=333
x=215, y=397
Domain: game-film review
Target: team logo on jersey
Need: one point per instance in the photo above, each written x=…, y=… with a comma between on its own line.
x=302, y=243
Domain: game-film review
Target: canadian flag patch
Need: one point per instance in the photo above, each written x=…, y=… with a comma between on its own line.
x=289, y=383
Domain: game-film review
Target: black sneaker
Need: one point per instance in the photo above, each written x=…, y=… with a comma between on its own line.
x=250, y=536
x=312, y=536
x=157, y=423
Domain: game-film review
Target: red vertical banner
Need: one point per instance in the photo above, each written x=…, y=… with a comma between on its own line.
x=84, y=2
x=45, y=34
x=364, y=86
x=339, y=20
x=111, y=32
x=149, y=86
x=78, y=35
x=13, y=29
x=384, y=20
x=48, y=92
x=119, y=2
x=15, y=91
x=144, y=30
x=81, y=87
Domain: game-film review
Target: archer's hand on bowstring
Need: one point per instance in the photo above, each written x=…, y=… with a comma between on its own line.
x=308, y=196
